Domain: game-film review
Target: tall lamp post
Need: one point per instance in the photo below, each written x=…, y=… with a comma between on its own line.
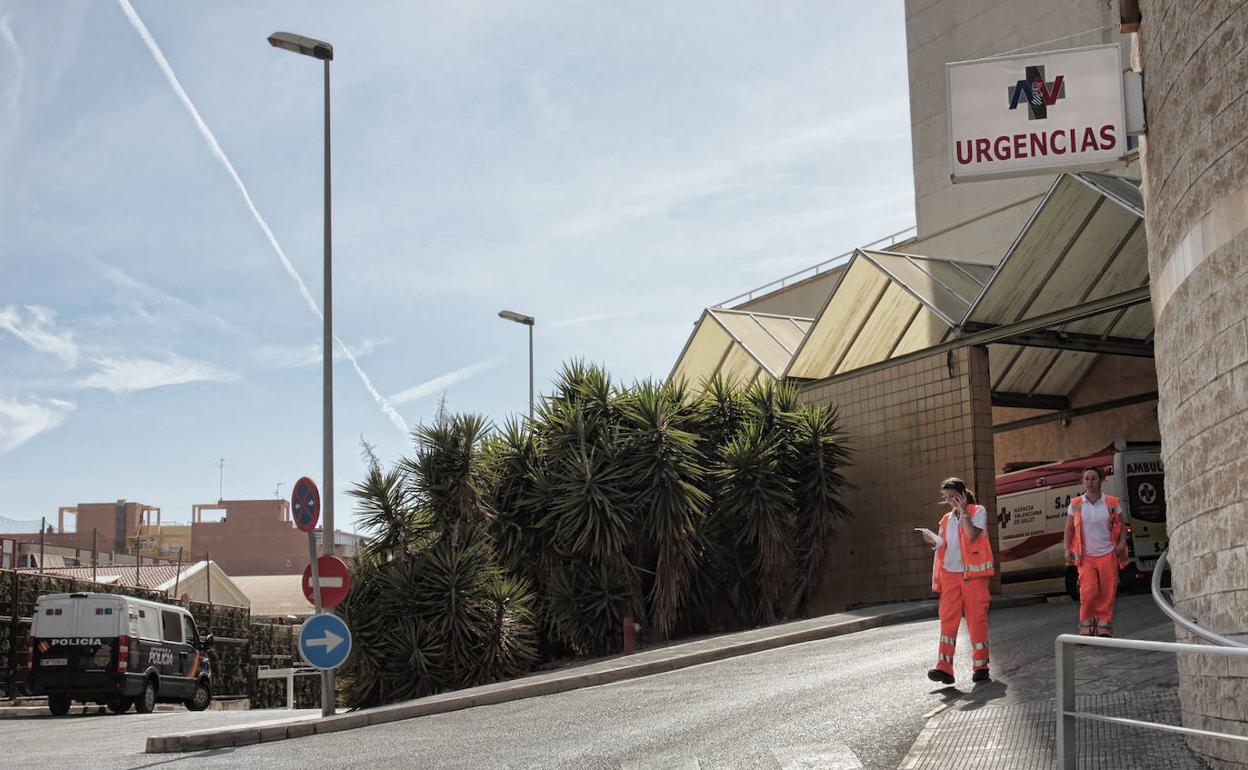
x=318, y=49
x=528, y=321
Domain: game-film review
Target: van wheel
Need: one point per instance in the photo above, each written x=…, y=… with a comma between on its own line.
x=146, y=703
x=1072, y=583
x=202, y=697
x=58, y=705
x=119, y=706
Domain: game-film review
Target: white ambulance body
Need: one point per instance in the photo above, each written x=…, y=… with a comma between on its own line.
x=1031, y=515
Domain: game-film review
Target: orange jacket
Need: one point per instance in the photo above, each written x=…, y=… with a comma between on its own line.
x=1115, y=527
x=977, y=559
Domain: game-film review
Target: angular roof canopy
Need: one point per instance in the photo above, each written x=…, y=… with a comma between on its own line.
x=1072, y=286
x=887, y=304
x=1085, y=242
x=739, y=346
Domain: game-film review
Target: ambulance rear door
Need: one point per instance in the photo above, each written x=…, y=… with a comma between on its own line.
x=1140, y=483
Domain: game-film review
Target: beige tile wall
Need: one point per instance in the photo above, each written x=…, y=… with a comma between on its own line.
x=911, y=426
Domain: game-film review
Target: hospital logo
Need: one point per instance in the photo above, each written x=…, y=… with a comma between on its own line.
x=1038, y=94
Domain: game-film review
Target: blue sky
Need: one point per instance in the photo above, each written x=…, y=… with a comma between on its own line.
x=610, y=168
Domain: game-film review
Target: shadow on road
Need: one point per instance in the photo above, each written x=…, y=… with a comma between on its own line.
x=984, y=693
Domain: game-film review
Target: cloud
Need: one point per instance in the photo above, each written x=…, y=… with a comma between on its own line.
x=581, y=320
x=123, y=280
x=293, y=357
x=129, y=375
x=38, y=329
x=21, y=421
x=19, y=59
x=444, y=381
x=220, y=155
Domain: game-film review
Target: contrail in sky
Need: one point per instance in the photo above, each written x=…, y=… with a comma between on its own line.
x=148, y=40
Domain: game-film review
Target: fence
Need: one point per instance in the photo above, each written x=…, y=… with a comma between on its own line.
x=241, y=644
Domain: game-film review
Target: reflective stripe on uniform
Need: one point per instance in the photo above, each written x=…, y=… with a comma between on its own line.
x=946, y=658
x=978, y=567
x=979, y=662
x=979, y=646
x=948, y=640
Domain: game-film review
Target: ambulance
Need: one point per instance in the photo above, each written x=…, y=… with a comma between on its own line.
x=1031, y=516
x=117, y=651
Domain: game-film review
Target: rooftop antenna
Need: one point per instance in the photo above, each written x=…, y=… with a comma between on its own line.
x=220, y=479
x=277, y=490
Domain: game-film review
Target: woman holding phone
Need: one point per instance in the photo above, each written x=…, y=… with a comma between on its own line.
x=960, y=574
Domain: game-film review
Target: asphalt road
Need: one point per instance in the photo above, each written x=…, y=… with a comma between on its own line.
x=853, y=701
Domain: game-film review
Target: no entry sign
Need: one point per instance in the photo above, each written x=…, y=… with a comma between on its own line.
x=335, y=581
x=305, y=504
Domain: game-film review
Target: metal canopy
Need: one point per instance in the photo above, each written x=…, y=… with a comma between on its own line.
x=1084, y=242
x=740, y=346
x=887, y=304
x=1072, y=287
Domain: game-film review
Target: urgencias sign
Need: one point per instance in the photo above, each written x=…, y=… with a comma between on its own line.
x=1038, y=113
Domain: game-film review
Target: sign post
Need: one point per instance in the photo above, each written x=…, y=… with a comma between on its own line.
x=1037, y=113
x=305, y=506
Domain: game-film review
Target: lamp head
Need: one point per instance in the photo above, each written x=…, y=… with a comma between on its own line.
x=519, y=318
x=317, y=49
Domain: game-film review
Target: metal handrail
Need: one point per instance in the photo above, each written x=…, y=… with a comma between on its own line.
x=892, y=239
x=1065, y=707
x=1174, y=615
x=1067, y=714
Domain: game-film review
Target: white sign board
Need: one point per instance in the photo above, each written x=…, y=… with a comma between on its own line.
x=1038, y=113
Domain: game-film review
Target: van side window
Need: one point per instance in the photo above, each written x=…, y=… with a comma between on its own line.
x=189, y=627
x=172, y=623
x=149, y=625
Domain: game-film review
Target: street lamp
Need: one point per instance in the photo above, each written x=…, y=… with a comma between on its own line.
x=319, y=49
x=528, y=321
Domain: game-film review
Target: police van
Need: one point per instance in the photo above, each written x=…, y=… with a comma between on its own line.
x=1031, y=518
x=117, y=651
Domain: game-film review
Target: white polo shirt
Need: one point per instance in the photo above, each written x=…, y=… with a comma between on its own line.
x=953, y=535
x=1094, y=520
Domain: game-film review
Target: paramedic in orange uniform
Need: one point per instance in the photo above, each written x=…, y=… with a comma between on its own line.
x=1096, y=543
x=960, y=574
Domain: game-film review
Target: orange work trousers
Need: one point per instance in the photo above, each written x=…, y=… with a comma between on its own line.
x=1098, y=587
x=963, y=597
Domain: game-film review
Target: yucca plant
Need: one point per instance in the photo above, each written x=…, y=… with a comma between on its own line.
x=756, y=503
x=661, y=463
x=388, y=510
x=819, y=453
x=438, y=612
x=448, y=474
x=514, y=459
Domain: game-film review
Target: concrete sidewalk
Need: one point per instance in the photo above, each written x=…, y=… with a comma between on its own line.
x=589, y=675
x=991, y=726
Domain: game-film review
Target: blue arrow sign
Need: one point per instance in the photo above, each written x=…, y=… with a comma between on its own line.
x=325, y=641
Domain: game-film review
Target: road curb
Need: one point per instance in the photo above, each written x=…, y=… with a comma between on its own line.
x=592, y=675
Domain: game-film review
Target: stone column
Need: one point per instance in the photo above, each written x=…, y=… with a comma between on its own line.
x=1195, y=63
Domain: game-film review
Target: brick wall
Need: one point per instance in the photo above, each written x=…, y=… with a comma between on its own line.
x=256, y=537
x=911, y=426
x=1195, y=62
